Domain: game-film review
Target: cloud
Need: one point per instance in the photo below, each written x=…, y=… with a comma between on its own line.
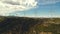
x=44, y=2
x=8, y=6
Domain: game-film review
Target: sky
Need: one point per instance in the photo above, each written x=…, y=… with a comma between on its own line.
x=30, y=8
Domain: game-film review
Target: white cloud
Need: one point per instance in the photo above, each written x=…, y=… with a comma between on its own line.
x=8, y=6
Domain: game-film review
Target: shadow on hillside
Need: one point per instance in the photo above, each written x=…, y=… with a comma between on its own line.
x=18, y=25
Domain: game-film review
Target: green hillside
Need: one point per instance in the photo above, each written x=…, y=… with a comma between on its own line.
x=25, y=25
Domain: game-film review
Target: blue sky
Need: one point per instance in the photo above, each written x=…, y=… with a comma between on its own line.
x=43, y=8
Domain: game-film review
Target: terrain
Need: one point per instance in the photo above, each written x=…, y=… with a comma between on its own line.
x=25, y=25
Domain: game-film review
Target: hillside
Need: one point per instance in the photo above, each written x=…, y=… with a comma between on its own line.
x=25, y=25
